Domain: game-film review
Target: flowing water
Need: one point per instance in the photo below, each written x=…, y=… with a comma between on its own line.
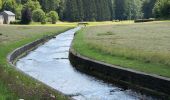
x=49, y=64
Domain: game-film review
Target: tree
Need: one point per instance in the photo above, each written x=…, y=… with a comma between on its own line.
x=0, y=4
x=49, y=5
x=120, y=9
x=71, y=11
x=26, y=16
x=133, y=9
x=8, y=5
x=106, y=10
x=53, y=15
x=24, y=1
x=90, y=10
x=128, y=9
x=38, y=15
x=81, y=10
x=18, y=10
x=147, y=8
x=99, y=10
x=53, y=4
x=112, y=8
x=33, y=5
x=162, y=9
x=61, y=9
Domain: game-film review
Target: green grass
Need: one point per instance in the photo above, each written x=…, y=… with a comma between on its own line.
x=14, y=84
x=5, y=94
x=103, y=23
x=73, y=24
x=144, y=47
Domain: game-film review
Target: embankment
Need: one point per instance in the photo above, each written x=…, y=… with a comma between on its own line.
x=127, y=78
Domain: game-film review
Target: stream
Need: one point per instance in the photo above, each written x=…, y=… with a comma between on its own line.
x=49, y=64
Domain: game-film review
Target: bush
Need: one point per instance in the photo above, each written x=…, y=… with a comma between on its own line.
x=43, y=21
x=26, y=16
x=144, y=20
x=53, y=16
x=15, y=22
x=38, y=15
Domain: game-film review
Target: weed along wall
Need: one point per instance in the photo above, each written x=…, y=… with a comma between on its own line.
x=126, y=77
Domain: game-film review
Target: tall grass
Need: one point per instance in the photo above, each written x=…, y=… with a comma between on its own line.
x=144, y=47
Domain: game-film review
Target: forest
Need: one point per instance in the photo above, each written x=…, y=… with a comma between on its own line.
x=88, y=10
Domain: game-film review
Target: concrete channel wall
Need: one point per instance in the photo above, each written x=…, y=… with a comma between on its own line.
x=142, y=82
x=24, y=49
x=19, y=52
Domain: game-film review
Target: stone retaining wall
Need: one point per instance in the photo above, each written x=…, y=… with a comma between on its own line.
x=147, y=83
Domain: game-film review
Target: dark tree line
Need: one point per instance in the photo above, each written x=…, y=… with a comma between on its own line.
x=93, y=10
x=88, y=10
x=101, y=10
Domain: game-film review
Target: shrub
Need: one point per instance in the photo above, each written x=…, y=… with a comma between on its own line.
x=26, y=16
x=43, y=21
x=53, y=16
x=15, y=22
x=38, y=15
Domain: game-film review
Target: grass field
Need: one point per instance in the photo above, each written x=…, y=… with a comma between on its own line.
x=73, y=24
x=22, y=86
x=144, y=46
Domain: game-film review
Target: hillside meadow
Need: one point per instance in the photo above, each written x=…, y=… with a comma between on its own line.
x=140, y=46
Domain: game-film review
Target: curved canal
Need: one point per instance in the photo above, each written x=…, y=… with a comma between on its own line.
x=49, y=64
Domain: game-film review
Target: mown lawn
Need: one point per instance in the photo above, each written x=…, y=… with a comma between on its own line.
x=144, y=46
x=13, y=84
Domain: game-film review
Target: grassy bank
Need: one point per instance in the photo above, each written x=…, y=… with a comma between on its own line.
x=144, y=47
x=13, y=84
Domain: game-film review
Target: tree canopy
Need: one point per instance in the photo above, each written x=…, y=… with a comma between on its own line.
x=93, y=10
x=162, y=9
x=26, y=16
x=38, y=15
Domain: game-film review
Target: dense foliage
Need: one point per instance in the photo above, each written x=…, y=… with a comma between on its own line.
x=93, y=10
x=53, y=17
x=26, y=16
x=38, y=15
x=162, y=8
x=0, y=4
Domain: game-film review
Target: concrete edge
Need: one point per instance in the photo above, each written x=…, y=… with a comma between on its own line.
x=148, y=83
x=17, y=53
